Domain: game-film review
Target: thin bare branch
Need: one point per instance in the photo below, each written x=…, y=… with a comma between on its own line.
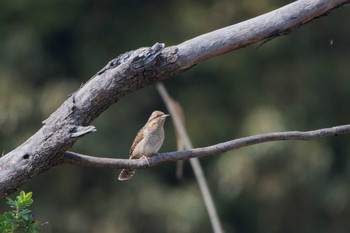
x=178, y=120
x=85, y=160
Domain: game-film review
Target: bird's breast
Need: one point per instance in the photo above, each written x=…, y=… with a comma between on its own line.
x=149, y=145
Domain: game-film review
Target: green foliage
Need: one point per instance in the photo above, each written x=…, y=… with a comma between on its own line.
x=19, y=217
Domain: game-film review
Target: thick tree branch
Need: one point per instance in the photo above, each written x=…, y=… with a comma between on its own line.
x=134, y=70
x=91, y=161
x=276, y=23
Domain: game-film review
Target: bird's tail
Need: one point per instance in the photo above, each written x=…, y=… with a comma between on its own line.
x=126, y=174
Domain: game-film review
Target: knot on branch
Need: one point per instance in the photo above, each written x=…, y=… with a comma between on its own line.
x=138, y=58
x=78, y=131
x=146, y=56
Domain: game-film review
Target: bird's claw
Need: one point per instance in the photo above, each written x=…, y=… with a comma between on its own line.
x=145, y=158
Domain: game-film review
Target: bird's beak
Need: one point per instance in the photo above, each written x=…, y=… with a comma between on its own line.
x=165, y=115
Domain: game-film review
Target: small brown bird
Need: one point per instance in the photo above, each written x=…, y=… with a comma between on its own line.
x=147, y=142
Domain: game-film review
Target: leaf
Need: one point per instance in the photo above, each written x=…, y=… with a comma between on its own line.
x=27, y=202
x=28, y=195
x=22, y=195
x=9, y=215
x=11, y=202
x=32, y=228
x=25, y=217
x=25, y=211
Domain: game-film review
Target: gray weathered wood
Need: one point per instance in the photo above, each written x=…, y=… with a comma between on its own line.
x=92, y=161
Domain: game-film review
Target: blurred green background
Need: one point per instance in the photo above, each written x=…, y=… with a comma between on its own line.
x=295, y=82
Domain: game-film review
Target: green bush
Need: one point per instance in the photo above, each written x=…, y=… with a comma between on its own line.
x=19, y=217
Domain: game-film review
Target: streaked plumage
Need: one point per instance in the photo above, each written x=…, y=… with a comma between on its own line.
x=147, y=142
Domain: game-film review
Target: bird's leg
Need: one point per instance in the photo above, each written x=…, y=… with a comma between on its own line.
x=144, y=157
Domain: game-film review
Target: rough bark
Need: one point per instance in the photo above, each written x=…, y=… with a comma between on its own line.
x=134, y=70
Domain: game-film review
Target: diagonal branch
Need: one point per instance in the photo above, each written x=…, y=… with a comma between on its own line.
x=85, y=160
x=175, y=110
x=276, y=23
x=134, y=70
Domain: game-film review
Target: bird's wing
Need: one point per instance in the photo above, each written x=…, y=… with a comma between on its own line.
x=138, y=138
